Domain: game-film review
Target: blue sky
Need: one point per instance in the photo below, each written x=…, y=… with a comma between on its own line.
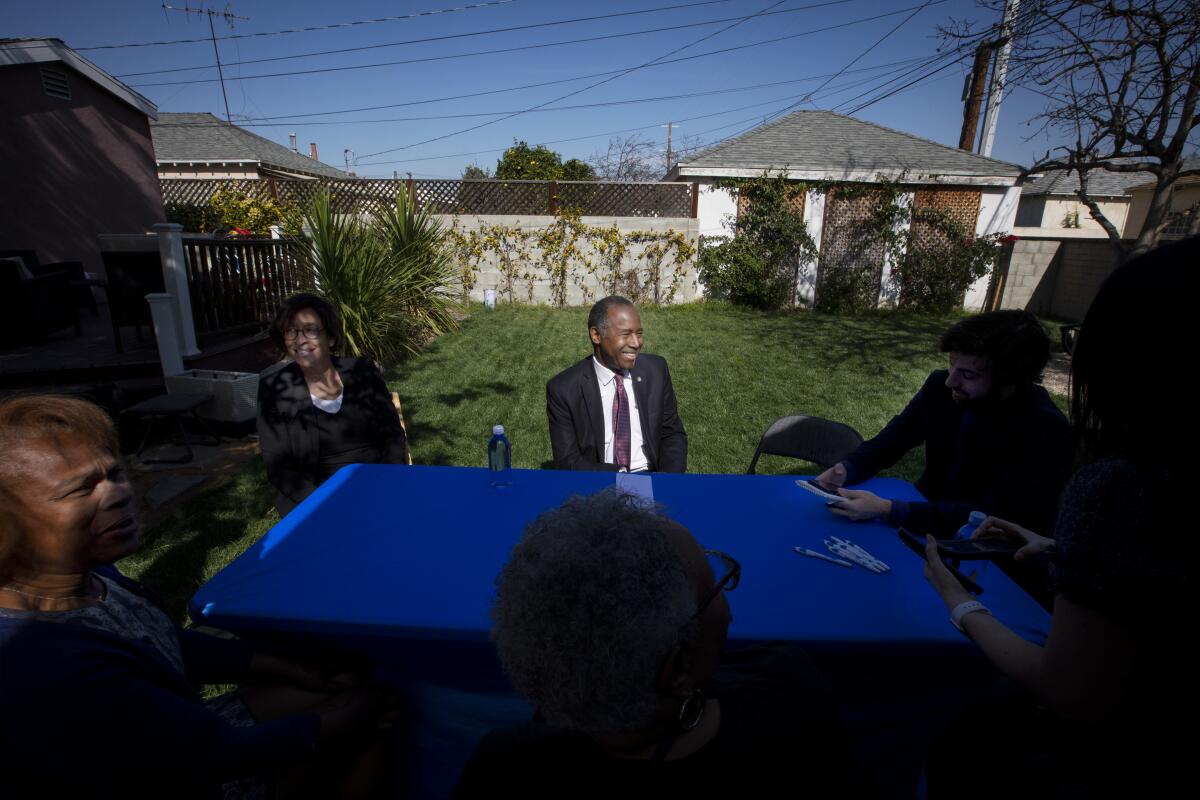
x=817, y=39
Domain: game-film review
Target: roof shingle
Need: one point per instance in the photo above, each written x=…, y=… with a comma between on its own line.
x=187, y=137
x=822, y=141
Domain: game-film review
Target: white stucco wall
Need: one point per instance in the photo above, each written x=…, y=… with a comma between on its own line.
x=714, y=208
x=997, y=214
x=889, y=290
x=814, y=220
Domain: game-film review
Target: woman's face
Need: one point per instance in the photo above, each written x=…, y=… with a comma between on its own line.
x=75, y=504
x=310, y=353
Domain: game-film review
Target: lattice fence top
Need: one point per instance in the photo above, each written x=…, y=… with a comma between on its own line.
x=482, y=197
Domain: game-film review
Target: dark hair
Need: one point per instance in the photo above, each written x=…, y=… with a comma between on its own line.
x=1129, y=393
x=1014, y=343
x=297, y=303
x=598, y=316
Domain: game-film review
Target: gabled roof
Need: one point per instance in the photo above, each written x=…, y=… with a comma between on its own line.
x=822, y=145
x=201, y=138
x=1101, y=183
x=45, y=51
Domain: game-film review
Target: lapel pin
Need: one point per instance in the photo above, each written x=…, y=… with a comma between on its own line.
x=639, y=378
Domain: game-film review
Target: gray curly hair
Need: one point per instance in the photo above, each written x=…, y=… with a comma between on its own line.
x=593, y=597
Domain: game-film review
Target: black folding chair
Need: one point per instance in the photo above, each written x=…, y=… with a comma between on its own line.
x=821, y=441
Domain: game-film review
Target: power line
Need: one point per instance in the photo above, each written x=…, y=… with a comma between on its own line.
x=494, y=51
x=761, y=120
x=330, y=26
x=250, y=122
x=585, y=88
x=861, y=55
x=723, y=112
x=297, y=116
x=435, y=38
x=899, y=89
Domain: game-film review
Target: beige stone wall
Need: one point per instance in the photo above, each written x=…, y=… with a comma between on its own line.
x=587, y=289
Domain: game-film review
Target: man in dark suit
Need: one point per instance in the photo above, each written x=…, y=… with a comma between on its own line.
x=615, y=410
x=994, y=440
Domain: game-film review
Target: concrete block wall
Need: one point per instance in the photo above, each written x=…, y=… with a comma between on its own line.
x=1057, y=277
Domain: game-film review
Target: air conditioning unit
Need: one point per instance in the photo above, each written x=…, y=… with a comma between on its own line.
x=234, y=394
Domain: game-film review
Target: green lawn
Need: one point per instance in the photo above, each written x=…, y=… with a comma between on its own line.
x=735, y=371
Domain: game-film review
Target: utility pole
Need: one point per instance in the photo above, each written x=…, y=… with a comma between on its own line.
x=996, y=92
x=669, y=126
x=973, y=97
x=228, y=17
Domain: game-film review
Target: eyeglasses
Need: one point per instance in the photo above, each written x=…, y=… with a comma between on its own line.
x=309, y=331
x=726, y=565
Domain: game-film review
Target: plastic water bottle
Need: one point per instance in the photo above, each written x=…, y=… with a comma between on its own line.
x=974, y=521
x=966, y=531
x=500, y=457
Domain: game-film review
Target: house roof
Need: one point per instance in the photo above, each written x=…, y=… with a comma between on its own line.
x=822, y=145
x=1146, y=181
x=1101, y=183
x=201, y=138
x=45, y=51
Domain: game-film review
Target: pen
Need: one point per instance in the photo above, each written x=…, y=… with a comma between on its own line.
x=804, y=551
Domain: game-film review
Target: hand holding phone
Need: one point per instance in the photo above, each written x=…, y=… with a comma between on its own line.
x=917, y=545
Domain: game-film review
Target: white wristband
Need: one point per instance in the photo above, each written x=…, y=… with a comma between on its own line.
x=962, y=609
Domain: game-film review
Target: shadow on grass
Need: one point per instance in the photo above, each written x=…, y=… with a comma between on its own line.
x=208, y=531
x=904, y=337
x=479, y=392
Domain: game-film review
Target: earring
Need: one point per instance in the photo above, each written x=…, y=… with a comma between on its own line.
x=692, y=710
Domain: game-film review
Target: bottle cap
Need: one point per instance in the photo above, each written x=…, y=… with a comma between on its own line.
x=497, y=430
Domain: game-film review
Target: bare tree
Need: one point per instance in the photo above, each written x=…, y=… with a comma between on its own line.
x=1121, y=80
x=635, y=158
x=629, y=158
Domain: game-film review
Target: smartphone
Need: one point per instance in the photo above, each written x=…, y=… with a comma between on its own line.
x=985, y=548
x=917, y=545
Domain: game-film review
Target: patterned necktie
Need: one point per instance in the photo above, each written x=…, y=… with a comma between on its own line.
x=621, y=435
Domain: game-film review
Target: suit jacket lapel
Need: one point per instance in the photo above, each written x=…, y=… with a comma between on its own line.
x=641, y=391
x=590, y=389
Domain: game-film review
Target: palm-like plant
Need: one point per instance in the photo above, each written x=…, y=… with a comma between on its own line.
x=390, y=279
x=415, y=246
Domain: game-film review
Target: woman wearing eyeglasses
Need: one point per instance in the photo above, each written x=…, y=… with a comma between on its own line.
x=611, y=620
x=319, y=412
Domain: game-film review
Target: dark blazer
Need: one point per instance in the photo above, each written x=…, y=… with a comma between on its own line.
x=1010, y=458
x=575, y=411
x=288, y=432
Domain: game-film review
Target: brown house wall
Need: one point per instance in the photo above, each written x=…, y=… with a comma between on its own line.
x=72, y=169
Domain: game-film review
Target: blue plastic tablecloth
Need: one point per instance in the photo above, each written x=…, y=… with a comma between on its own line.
x=414, y=551
x=400, y=562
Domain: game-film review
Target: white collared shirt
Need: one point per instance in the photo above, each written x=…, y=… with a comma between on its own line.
x=606, y=379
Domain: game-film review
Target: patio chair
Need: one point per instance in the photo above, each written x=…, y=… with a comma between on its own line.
x=821, y=441
x=34, y=306
x=81, y=287
x=1068, y=334
x=131, y=276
